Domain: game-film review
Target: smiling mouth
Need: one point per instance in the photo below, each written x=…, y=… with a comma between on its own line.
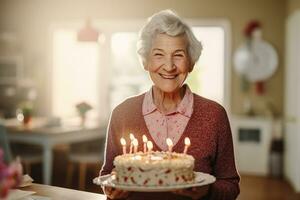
x=168, y=76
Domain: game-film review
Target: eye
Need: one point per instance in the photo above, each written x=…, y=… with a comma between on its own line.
x=158, y=54
x=179, y=55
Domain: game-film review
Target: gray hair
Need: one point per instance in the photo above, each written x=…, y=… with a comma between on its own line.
x=166, y=21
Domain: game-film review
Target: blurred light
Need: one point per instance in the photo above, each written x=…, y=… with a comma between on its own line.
x=32, y=94
x=8, y=37
x=75, y=73
x=20, y=117
x=10, y=91
x=121, y=43
x=89, y=34
x=101, y=39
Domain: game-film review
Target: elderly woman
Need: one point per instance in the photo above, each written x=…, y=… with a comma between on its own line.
x=168, y=50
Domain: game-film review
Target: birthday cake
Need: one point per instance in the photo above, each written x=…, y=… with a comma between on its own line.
x=154, y=169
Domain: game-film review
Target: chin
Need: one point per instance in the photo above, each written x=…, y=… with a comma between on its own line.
x=168, y=88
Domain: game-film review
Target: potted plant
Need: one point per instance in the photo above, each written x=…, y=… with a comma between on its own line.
x=82, y=109
x=25, y=112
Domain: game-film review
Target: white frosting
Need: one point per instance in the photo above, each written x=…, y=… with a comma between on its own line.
x=156, y=168
x=159, y=159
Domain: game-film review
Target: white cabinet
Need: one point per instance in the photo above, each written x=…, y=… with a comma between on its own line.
x=252, y=139
x=292, y=101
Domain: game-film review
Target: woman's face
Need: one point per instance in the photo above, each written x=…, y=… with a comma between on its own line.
x=168, y=62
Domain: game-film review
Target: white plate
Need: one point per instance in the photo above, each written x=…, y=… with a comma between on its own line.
x=201, y=179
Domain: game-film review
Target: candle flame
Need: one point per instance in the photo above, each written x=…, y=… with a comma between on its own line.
x=135, y=142
x=145, y=139
x=149, y=145
x=187, y=141
x=131, y=136
x=123, y=141
x=169, y=142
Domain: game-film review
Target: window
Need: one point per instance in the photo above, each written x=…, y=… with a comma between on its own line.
x=104, y=75
x=129, y=77
x=75, y=69
x=207, y=78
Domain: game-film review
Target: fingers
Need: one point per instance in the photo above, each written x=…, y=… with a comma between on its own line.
x=113, y=193
x=194, y=193
x=120, y=194
x=177, y=191
x=186, y=192
x=108, y=190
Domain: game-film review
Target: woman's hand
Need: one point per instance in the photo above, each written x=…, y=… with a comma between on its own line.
x=114, y=193
x=194, y=193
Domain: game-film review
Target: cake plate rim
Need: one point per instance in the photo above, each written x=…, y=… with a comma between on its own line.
x=201, y=178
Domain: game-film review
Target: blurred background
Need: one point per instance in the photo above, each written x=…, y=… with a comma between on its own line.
x=64, y=65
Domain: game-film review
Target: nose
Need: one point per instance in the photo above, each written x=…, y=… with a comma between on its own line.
x=169, y=65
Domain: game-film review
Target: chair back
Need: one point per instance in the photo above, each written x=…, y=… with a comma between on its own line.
x=4, y=144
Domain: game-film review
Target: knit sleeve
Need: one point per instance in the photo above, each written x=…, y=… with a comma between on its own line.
x=110, y=148
x=226, y=186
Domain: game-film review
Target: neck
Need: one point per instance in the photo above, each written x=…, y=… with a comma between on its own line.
x=167, y=101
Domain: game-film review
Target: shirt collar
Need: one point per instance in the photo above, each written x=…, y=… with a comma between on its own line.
x=185, y=107
x=148, y=105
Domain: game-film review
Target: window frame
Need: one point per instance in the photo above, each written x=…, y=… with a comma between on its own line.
x=225, y=24
x=108, y=27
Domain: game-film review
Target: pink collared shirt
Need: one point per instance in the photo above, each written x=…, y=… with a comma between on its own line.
x=171, y=125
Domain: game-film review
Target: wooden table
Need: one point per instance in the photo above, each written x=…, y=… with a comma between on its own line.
x=48, y=137
x=58, y=193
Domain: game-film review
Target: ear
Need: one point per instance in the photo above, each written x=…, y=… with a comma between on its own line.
x=191, y=67
x=146, y=67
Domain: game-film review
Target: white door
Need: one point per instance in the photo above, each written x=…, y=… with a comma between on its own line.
x=291, y=158
x=292, y=104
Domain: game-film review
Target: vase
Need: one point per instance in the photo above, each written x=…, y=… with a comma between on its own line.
x=27, y=119
x=82, y=120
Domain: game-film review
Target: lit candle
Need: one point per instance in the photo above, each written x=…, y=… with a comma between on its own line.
x=131, y=136
x=187, y=143
x=135, y=145
x=123, y=143
x=149, y=146
x=145, y=140
x=170, y=144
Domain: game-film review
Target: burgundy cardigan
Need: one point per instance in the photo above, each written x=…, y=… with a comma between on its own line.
x=211, y=145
